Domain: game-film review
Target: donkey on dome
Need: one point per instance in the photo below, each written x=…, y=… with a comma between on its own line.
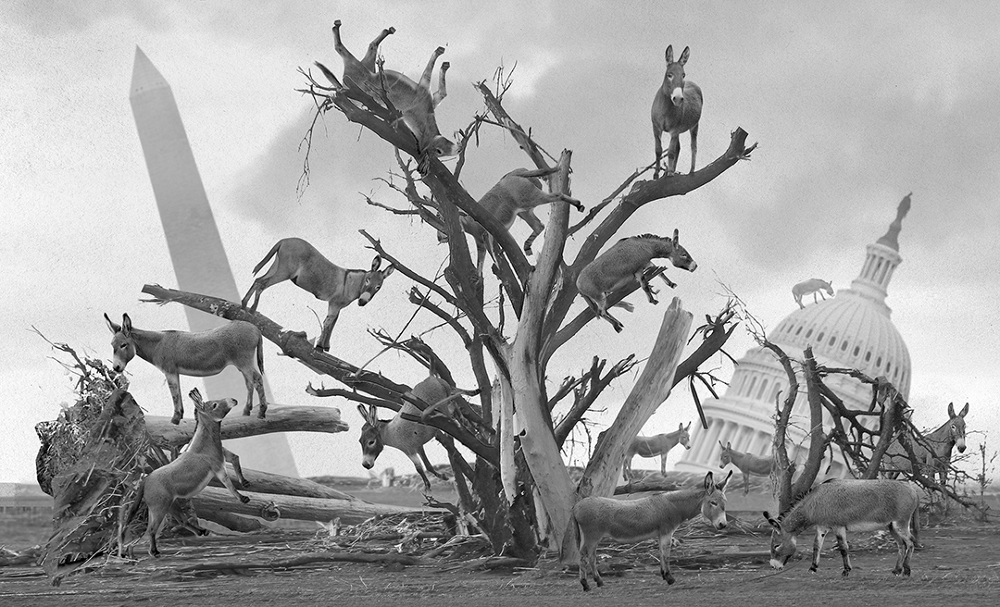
x=308, y=269
x=659, y=444
x=942, y=441
x=813, y=286
x=747, y=463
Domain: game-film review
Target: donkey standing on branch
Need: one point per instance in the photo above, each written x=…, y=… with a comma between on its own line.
x=407, y=436
x=814, y=286
x=187, y=475
x=942, y=441
x=656, y=516
x=651, y=446
x=849, y=504
x=748, y=464
x=414, y=100
x=305, y=266
x=627, y=261
x=676, y=109
x=515, y=195
x=199, y=354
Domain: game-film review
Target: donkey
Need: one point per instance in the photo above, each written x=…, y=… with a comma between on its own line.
x=748, y=464
x=515, y=195
x=676, y=109
x=194, y=354
x=414, y=100
x=849, y=504
x=407, y=436
x=304, y=265
x=651, y=446
x=942, y=441
x=628, y=261
x=187, y=475
x=656, y=516
x=814, y=286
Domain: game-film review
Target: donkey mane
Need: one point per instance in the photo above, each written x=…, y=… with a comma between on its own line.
x=651, y=236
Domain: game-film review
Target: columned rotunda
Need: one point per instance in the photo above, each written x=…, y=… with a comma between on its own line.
x=852, y=329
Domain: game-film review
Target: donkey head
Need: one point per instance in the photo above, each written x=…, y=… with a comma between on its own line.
x=673, y=80
x=215, y=410
x=373, y=280
x=122, y=344
x=679, y=255
x=956, y=429
x=726, y=457
x=441, y=147
x=782, y=543
x=685, y=436
x=371, y=436
x=713, y=505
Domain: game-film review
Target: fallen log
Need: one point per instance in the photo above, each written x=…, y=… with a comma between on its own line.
x=166, y=435
x=302, y=560
x=265, y=482
x=302, y=508
x=234, y=522
x=649, y=483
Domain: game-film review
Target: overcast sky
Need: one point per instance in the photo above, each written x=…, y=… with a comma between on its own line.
x=853, y=108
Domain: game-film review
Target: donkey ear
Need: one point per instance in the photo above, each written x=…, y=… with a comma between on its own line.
x=126, y=324
x=773, y=522
x=195, y=396
x=376, y=262
x=670, y=53
x=363, y=412
x=684, y=56
x=688, y=427
x=389, y=270
x=722, y=486
x=676, y=236
x=729, y=446
x=709, y=482
x=951, y=410
x=964, y=410
x=721, y=445
x=111, y=325
x=373, y=414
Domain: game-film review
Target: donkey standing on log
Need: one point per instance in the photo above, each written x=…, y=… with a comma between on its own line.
x=407, y=436
x=414, y=100
x=676, y=109
x=187, y=475
x=656, y=516
x=629, y=260
x=651, y=446
x=814, y=286
x=515, y=195
x=942, y=441
x=194, y=354
x=849, y=504
x=305, y=266
x=748, y=464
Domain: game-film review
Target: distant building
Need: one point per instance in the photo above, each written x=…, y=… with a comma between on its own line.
x=17, y=498
x=852, y=329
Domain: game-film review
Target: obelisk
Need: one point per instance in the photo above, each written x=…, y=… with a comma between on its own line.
x=196, y=250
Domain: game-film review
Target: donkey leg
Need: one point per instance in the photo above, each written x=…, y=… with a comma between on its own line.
x=817, y=547
x=442, y=90
x=174, y=383
x=254, y=382
x=673, y=152
x=369, y=59
x=234, y=459
x=420, y=470
x=584, y=563
x=905, y=548
x=425, y=78
x=746, y=483
x=323, y=342
x=844, y=548
x=657, y=151
x=536, y=225
x=665, y=541
x=223, y=476
x=647, y=288
x=429, y=466
x=694, y=145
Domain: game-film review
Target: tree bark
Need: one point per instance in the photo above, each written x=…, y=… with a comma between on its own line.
x=300, y=508
x=276, y=484
x=279, y=419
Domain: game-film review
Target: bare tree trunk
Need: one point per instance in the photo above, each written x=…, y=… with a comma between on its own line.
x=284, y=419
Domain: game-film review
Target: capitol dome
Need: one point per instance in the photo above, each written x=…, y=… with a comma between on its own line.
x=852, y=329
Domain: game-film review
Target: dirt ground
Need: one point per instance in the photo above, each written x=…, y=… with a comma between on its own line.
x=959, y=564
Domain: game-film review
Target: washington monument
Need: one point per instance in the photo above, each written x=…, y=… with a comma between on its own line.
x=193, y=240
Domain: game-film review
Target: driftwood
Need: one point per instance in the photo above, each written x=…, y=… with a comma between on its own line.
x=650, y=483
x=280, y=419
x=305, y=559
x=265, y=482
x=300, y=508
x=234, y=522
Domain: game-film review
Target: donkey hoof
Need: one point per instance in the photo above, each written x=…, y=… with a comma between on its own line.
x=812, y=569
x=670, y=579
x=244, y=499
x=175, y=420
x=845, y=573
x=586, y=586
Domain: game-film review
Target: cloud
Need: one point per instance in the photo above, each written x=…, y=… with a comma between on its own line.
x=51, y=18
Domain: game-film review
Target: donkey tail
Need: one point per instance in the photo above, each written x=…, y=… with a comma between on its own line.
x=915, y=526
x=126, y=516
x=267, y=257
x=571, y=540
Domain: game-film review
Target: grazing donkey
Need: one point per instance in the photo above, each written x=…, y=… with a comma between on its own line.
x=676, y=109
x=515, y=195
x=849, y=504
x=942, y=440
x=656, y=516
x=407, y=436
x=414, y=100
x=194, y=354
x=814, y=286
x=627, y=261
x=659, y=444
x=304, y=265
x=748, y=464
x=187, y=475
